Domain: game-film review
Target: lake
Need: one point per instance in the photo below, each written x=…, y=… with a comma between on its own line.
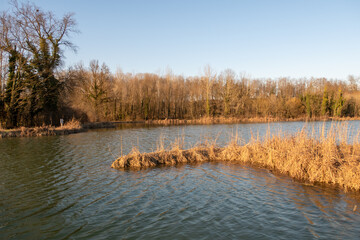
x=62, y=187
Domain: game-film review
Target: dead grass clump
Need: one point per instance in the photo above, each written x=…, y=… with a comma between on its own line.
x=137, y=160
x=324, y=160
x=72, y=124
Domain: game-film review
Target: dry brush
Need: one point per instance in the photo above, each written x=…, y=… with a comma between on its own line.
x=327, y=159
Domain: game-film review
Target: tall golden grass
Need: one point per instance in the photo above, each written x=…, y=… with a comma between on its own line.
x=324, y=158
x=213, y=120
x=229, y=120
x=71, y=126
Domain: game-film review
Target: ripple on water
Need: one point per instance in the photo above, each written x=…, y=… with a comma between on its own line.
x=63, y=187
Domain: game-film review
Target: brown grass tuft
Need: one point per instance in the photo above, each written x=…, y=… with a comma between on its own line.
x=327, y=159
x=72, y=124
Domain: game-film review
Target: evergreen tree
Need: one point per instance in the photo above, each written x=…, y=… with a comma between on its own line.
x=308, y=106
x=325, y=103
x=33, y=40
x=339, y=104
x=12, y=92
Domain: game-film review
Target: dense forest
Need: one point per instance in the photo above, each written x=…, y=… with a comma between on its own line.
x=101, y=96
x=35, y=90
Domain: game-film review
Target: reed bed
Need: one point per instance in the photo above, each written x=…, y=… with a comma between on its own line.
x=71, y=126
x=229, y=120
x=213, y=120
x=325, y=159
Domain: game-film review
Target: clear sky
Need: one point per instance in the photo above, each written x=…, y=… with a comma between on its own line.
x=289, y=38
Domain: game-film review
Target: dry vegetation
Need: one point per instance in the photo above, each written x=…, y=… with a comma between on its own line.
x=327, y=159
x=35, y=91
x=231, y=120
x=99, y=95
x=72, y=126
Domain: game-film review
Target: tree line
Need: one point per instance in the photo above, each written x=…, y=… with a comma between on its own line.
x=35, y=90
x=102, y=96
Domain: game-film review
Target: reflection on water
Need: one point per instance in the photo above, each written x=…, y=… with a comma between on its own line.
x=63, y=187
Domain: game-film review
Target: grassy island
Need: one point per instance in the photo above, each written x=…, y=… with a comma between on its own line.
x=327, y=159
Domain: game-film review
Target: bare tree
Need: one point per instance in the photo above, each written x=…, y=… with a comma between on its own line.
x=208, y=81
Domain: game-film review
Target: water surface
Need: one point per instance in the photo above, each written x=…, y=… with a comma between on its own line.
x=62, y=187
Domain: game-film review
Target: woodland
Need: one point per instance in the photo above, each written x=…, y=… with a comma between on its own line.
x=36, y=90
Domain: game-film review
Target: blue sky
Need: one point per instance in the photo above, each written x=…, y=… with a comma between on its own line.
x=261, y=39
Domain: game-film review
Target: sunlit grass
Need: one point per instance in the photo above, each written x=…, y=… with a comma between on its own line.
x=230, y=120
x=319, y=157
x=70, y=126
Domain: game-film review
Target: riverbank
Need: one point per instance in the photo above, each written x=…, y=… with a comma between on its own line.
x=74, y=126
x=326, y=160
x=70, y=127
x=229, y=120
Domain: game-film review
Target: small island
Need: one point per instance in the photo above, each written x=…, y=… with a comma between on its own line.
x=328, y=159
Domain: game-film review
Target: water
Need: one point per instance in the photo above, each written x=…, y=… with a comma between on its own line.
x=62, y=187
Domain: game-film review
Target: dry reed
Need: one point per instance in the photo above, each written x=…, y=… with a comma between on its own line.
x=72, y=126
x=230, y=120
x=327, y=159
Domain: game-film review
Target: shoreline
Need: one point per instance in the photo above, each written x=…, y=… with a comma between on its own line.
x=53, y=131
x=230, y=120
x=38, y=132
x=78, y=128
